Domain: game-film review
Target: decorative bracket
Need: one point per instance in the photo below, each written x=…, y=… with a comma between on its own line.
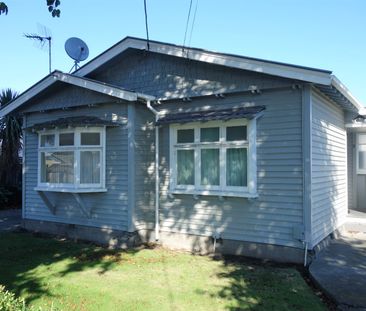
x=86, y=210
x=46, y=200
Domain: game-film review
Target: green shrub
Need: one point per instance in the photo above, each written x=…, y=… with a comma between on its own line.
x=8, y=301
x=10, y=197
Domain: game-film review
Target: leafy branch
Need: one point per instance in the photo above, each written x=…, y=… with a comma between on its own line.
x=53, y=8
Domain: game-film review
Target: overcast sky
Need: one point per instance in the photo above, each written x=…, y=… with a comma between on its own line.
x=326, y=34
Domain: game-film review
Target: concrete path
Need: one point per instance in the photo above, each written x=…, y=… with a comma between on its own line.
x=340, y=269
x=10, y=219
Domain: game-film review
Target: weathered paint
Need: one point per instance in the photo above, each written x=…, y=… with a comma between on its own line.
x=329, y=168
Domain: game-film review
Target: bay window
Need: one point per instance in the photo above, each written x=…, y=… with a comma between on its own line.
x=213, y=158
x=72, y=160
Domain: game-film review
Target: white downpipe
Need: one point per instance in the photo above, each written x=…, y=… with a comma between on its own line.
x=306, y=254
x=157, y=179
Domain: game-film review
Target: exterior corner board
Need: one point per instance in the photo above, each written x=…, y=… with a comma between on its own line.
x=307, y=160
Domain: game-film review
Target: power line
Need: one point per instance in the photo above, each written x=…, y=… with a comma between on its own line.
x=147, y=27
x=192, y=26
x=188, y=17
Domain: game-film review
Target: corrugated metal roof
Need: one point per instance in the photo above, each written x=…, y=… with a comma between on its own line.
x=72, y=122
x=210, y=115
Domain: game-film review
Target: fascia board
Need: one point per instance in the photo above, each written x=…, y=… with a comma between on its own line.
x=346, y=93
x=276, y=69
x=96, y=86
x=355, y=125
x=27, y=95
x=77, y=81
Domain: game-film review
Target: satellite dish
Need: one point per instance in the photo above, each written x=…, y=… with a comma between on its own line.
x=77, y=50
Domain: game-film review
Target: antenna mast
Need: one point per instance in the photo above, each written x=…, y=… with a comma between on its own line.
x=42, y=41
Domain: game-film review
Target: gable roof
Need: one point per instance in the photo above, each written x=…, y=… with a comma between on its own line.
x=322, y=79
x=229, y=60
x=93, y=85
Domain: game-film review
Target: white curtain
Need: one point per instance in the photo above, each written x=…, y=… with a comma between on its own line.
x=210, y=167
x=185, y=162
x=236, y=167
x=90, y=167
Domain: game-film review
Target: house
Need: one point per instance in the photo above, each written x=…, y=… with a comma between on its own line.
x=195, y=149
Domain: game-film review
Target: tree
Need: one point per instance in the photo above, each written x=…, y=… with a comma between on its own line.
x=51, y=4
x=11, y=142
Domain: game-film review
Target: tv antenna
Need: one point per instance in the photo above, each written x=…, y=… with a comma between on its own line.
x=42, y=40
x=77, y=50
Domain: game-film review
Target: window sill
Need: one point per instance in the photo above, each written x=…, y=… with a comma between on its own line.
x=71, y=190
x=214, y=193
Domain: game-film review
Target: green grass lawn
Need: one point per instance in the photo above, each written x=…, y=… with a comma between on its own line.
x=76, y=276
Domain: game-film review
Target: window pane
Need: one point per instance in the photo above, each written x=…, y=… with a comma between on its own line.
x=185, y=136
x=362, y=160
x=210, y=167
x=210, y=134
x=89, y=139
x=90, y=167
x=362, y=139
x=185, y=162
x=57, y=167
x=236, y=167
x=236, y=133
x=67, y=139
x=47, y=140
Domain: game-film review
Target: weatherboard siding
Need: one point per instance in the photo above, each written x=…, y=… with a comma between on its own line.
x=271, y=217
x=329, y=168
x=144, y=161
x=168, y=77
x=66, y=96
x=109, y=209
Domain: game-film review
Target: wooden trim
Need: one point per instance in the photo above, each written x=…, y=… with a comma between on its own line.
x=24, y=166
x=131, y=166
x=96, y=86
x=79, y=81
x=307, y=160
x=249, y=191
x=85, y=209
x=255, y=65
x=77, y=148
x=46, y=200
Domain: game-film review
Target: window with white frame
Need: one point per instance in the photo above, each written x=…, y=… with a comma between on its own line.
x=361, y=153
x=72, y=159
x=215, y=157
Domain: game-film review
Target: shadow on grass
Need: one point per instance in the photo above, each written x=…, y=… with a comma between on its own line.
x=253, y=284
x=27, y=264
x=23, y=254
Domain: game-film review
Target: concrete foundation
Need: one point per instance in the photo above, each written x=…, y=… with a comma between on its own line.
x=205, y=245
x=178, y=241
x=104, y=236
